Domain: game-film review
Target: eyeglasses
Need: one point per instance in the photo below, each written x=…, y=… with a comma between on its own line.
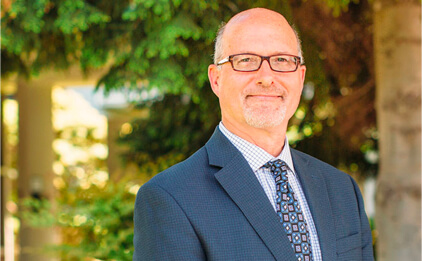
x=247, y=62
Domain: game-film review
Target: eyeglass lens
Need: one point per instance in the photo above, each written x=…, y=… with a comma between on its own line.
x=251, y=62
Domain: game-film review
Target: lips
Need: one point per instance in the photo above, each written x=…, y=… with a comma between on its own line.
x=265, y=96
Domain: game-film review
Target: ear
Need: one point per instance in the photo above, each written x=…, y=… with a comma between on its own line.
x=302, y=70
x=214, y=76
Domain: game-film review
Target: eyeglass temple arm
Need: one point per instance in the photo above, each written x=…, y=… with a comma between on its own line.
x=225, y=60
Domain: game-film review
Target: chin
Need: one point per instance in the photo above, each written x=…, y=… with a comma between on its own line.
x=264, y=119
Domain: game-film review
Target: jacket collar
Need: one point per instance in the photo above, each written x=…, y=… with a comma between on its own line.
x=240, y=183
x=316, y=192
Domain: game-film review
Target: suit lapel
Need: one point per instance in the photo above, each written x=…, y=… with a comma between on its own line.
x=316, y=193
x=240, y=183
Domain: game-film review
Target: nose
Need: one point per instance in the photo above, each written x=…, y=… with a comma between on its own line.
x=265, y=76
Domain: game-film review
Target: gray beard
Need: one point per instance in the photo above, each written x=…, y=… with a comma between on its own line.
x=262, y=119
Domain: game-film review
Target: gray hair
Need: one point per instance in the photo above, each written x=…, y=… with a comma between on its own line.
x=218, y=49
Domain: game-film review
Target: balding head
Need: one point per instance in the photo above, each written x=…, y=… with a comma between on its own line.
x=253, y=17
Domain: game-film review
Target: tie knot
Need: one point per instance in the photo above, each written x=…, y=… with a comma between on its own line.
x=275, y=164
x=278, y=169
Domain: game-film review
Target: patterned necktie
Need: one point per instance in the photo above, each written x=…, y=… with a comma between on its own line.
x=290, y=213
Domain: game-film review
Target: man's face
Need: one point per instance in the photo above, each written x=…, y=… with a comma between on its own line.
x=261, y=99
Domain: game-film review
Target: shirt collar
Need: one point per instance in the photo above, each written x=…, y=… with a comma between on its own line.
x=254, y=155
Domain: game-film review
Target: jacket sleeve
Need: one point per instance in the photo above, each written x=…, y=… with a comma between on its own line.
x=162, y=229
x=367, y=250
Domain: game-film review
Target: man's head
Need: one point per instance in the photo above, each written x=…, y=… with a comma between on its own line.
x=263, y=98
x=218, y=48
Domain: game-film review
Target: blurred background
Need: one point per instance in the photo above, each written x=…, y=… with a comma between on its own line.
x=99, y=96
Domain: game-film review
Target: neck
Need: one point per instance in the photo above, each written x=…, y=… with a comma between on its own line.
x=269, y=139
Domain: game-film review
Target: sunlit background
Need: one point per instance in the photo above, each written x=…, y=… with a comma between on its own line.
x=80, y=120
x=99, y=96
x=80, y=145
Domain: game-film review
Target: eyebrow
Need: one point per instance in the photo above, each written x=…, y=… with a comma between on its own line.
x=277, y=53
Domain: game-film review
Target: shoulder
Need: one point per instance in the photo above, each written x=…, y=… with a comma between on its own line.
x=326, y=170
x=298, y=155
x=340, y=185
x=187, y=174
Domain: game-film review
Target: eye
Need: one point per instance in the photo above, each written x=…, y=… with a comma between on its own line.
x=245, y=60
x=281, y=59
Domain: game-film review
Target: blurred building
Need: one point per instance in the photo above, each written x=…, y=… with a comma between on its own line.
x=28, y=148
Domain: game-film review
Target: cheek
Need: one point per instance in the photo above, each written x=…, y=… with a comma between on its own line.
x=295, y=94
x=227, y=97
x=232, y=98
x=295, y=102
x=231, y=89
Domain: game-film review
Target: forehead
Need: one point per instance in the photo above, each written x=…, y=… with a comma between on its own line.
x=263, y=33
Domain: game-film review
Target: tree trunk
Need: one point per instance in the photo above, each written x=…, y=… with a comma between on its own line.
x=35, y=160
x=397, y=40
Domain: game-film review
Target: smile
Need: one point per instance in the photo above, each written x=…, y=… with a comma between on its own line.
x=265, y=97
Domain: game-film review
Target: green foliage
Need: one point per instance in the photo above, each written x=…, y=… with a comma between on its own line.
x=144, y=43
x=168, y=45
x=94, y=222
x=165, y=44
x=339, y=6
x=30, y=14
x=140, y=39
x=93, y=214
x=78, y=15
x=176, y=127
x=37, y=212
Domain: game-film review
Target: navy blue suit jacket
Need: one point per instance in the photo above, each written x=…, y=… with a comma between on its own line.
x=212, y=207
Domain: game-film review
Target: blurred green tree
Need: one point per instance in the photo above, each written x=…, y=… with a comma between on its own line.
x=168, y=45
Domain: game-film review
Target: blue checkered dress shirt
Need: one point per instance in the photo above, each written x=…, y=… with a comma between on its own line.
x=257, y=157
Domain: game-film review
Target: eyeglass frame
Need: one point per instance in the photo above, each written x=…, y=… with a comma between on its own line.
x=263, y=58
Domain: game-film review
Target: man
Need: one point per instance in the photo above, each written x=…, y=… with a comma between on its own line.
x=246, y=195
